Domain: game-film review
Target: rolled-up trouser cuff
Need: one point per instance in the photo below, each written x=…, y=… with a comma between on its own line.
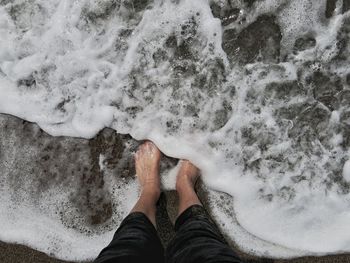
x=198, y=240
x=135, y=240
x=191, y=213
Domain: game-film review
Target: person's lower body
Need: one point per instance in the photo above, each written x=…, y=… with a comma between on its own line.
x=136, y=240
x=197, y=238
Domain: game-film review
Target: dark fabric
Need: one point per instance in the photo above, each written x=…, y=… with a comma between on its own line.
x=197, y=240
x=136, y=240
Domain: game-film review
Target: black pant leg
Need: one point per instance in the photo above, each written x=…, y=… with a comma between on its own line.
x=198, y=240
x=136, y=240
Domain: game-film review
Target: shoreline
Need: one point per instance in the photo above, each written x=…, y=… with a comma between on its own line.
x=15, y=253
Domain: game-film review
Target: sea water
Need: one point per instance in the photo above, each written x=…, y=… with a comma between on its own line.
x=255, y=93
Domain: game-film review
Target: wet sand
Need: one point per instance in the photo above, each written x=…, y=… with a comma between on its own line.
x=51, y=159
x=10, y=253
x=13, y=253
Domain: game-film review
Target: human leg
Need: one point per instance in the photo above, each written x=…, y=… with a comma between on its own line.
x=136, y=239
x=197, y=238
x=147, y=160
x=185, y=182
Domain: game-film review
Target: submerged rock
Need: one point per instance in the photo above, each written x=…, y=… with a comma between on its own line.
x=285, y=90
x=330, y=7
x=346, y=6
x=260, y=41
x=348, y=79
x=304, y=42
x=325, y=89
x=343, y=41
x=227, y=13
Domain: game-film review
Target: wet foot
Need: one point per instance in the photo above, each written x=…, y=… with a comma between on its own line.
x=185, y=182
x=187, y=176
x=147, y=159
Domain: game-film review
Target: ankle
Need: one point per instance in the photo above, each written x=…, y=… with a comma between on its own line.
x=184, y=185
x=186, y=191
x=150, y=193
x=186, y=200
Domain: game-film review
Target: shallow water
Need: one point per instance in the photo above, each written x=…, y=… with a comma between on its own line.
x=255, y=93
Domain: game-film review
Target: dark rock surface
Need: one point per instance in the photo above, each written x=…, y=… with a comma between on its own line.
x=226, y=14
x=346, y=5
x=304, y=42
x=330, y=7
x=260, y=41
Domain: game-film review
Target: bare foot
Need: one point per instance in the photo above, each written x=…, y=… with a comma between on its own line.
x=147, y=159
x=187, y=176
x=185, y=182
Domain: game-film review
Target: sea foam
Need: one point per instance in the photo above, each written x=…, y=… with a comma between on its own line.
x=259, y=103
